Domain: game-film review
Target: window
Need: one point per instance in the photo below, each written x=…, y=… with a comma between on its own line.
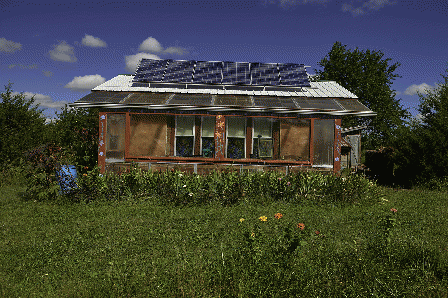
x=148, y=135
x=236, y=137
x=262, y=127
x=323, y=141
x=184, y=135
x=208, y=136
x=115, y=132
x=295, y=139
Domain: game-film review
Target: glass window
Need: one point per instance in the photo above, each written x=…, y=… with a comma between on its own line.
x=184, y=135
x=148, y=135
x=208, y=136
x=262, y=127
x=115, y=136
x=295, y=139
x=323, y=141
x=236, y=137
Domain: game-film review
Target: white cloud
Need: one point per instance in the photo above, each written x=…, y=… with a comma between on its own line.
x=413, y=89
x=366, y=6
x=133, y=61
x=151, y=45
x=94, y=42
x=175, y=50
x=63, y=52
x=85, y=83
x=9, y=46
x=44, y=101
x=32, y=66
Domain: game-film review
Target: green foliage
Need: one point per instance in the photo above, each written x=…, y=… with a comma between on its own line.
x=368, y=76
x=22, y=127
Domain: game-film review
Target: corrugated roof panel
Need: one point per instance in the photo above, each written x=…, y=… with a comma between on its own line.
x=312, y=93
x=232, y=100
x=150, y=98
x=341, y=90
x=317, y=104
x=352, y=104
x=328, y=91
x=192, y=99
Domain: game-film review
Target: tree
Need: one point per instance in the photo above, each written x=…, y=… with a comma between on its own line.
x=22, y=127
x=369, y=77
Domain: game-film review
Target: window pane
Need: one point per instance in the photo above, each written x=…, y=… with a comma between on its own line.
x=208, y=147
x=116, y=125
x=208, y=127
x=235, y=147
x=295, y=139
x=323, y=141
x=236, y=127
x=184, y=125
x=184, y=146
x=263, y=127
x=148, y=135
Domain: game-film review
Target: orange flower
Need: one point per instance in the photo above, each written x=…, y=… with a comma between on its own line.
x=278, y=215
x=317, y=232
x=393, y=210
x=84, y=174
x=301, y=226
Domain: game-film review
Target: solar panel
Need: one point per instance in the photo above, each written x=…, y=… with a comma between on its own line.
x=192, y=99
x=264, y=74
x=234, y=73
x=148, y=97
x=150, y=70
x=207, y=72
x=317, y=104
x=179, y=71
x=232, y=100
x=352, y=104
x=293, y=75
x=101, y=96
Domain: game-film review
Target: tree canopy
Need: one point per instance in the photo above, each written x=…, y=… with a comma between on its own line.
x=369, y=77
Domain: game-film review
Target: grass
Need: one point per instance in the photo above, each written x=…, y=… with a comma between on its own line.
x=140, y=248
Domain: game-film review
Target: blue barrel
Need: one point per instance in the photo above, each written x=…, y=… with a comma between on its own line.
x=66, y=177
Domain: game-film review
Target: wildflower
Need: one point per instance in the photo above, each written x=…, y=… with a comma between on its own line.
x=184, y=186
x=84, y=174
x=252, y=235
x=241, y=219
x=289, y=183
x=263, y=218
x=190, y=194
x=278, y=215
x=393, y=210
x=301, y=226
x=317, y=232
x=279, y=179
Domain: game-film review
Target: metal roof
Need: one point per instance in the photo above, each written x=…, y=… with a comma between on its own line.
x=322, y=97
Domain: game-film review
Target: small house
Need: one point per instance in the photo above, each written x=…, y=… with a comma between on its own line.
x=198, y=116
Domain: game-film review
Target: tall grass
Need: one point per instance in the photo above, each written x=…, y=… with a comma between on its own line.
x=125, y=237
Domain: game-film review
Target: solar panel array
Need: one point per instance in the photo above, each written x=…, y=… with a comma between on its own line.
x=221, y=72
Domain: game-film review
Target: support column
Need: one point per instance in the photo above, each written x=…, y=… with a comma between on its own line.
x=102, y=142
x=220, y=139
x=337, y=146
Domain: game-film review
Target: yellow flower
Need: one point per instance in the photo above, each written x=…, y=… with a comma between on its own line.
x=252, y=235
x=263, y=218
x=84, y=174
x=241, y=219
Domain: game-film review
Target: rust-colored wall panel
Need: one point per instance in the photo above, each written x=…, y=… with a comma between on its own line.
x=276, y=137
x=197, y=133
x=294, y=139
x=249, y=136
x=147, y=135
x=220, y=137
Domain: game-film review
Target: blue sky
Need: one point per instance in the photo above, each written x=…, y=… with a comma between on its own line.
x=59, y=51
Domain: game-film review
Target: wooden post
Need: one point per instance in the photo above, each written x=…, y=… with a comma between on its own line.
x=249, y=136
x=337, y=146
x=102, y=142
x=220, y=138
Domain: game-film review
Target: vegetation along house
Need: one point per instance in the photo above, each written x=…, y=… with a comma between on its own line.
x=197, y=116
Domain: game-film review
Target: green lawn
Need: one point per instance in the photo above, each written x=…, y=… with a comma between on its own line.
x=138, y=248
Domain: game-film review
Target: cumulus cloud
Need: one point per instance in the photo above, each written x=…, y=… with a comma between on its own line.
x=413, y=89
x=47, y=73
x=175, y=50
x=85, y=83
x=365, y=7
x=132, y=61
x=63, y=52
x=151, y=45
x=9, y=46
x=44, y=101
x=93, y=42
x=32, y=66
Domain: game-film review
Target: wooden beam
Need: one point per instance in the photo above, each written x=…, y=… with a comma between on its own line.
x=197, y=135
x=249, y=136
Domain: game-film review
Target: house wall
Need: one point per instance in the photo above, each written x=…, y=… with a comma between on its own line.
x=150, y=138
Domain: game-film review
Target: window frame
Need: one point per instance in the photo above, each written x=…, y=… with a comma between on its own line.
x=254, y=137
x=176, y=119
x=227, y=135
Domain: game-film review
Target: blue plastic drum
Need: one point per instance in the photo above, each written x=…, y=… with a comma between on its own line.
x=66, y=177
